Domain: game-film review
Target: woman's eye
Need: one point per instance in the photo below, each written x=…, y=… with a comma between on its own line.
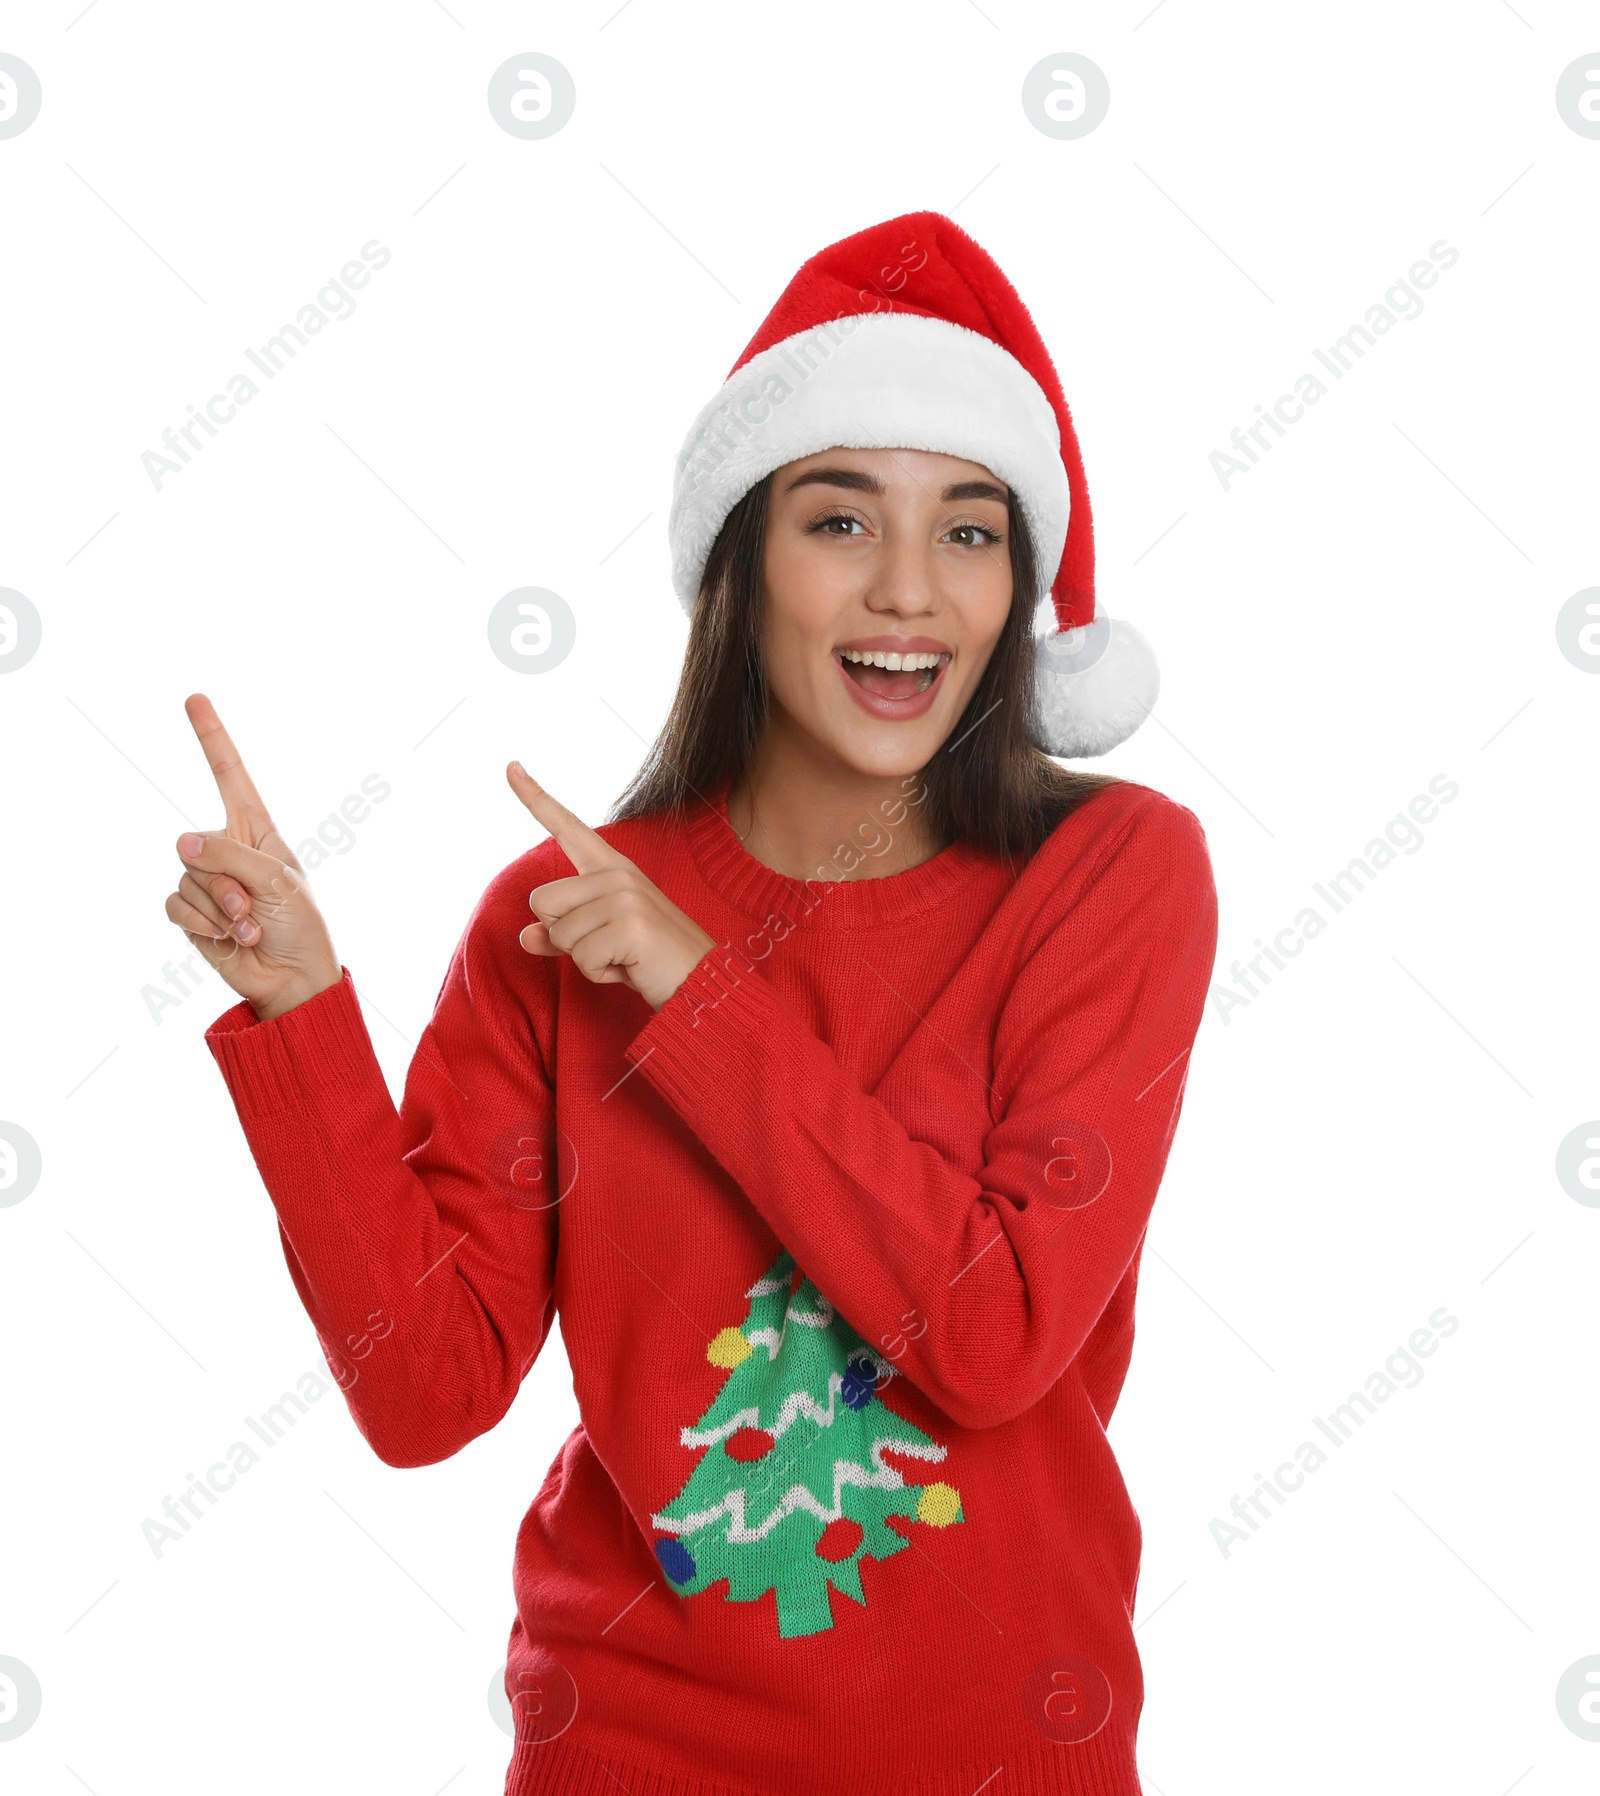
x=973, y=536
x=839, y=526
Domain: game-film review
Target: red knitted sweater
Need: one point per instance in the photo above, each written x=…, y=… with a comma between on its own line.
x=844, y=1242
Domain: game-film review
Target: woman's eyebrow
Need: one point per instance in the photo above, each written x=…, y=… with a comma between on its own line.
x=853, y=478
x=858, y=481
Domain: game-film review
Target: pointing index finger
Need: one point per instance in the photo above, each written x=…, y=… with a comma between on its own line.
x=588, y=850
x=238, y=790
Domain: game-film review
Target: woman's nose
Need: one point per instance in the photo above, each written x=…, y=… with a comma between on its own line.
x=903, y=578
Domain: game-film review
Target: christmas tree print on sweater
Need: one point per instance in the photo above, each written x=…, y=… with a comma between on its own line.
x=792, y=1491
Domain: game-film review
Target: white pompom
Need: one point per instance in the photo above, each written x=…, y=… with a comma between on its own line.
x=1095, y=684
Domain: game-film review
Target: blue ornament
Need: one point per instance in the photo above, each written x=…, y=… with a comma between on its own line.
x=859, y=1382
x=676, y=1560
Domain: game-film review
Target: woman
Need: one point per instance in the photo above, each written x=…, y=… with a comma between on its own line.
x=825, y=1096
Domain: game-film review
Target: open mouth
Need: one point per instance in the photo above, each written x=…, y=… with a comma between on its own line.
x=891, y=676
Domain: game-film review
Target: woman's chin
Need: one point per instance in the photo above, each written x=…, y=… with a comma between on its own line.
x=879, y=749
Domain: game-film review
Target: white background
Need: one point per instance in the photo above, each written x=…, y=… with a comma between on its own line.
x=1370, y=1138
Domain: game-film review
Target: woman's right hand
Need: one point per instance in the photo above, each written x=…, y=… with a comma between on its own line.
x=244, y=900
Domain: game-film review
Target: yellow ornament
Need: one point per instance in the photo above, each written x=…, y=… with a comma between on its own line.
x=728, y=1349
x=939, y=1505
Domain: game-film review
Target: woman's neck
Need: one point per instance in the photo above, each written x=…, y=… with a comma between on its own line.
x=811, y=818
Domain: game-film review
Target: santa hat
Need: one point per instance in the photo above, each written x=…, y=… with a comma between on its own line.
x=908, y=336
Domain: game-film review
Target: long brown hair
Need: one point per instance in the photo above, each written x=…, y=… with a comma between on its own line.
x=989, y=783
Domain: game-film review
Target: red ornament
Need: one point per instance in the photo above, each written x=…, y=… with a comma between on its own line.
x=839, y=1540
x=748, y=1444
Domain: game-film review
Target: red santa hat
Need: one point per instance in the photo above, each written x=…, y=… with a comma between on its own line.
x=908, y=336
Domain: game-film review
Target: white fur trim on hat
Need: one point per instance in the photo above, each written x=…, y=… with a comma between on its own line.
x=1094, y=685
x=877, y=380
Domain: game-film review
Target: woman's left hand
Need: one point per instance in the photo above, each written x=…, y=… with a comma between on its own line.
x=618, y=927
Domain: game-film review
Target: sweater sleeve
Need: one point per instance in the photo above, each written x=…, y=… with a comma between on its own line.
x=981, y=1287
x=421, y=1240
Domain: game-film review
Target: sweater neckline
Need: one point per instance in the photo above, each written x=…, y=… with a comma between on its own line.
x=757, y=890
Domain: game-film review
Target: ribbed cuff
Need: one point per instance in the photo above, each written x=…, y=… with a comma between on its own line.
x=270, y=1066
x=721, y=1008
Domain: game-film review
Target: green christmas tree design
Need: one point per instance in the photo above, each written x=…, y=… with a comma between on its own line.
x=792, y=1491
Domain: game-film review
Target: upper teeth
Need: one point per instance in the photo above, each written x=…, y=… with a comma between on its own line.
x=878, y=658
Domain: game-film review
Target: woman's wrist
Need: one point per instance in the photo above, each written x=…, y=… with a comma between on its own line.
x=293, y=995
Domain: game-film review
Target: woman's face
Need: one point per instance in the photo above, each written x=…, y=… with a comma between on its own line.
x=874, y=555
